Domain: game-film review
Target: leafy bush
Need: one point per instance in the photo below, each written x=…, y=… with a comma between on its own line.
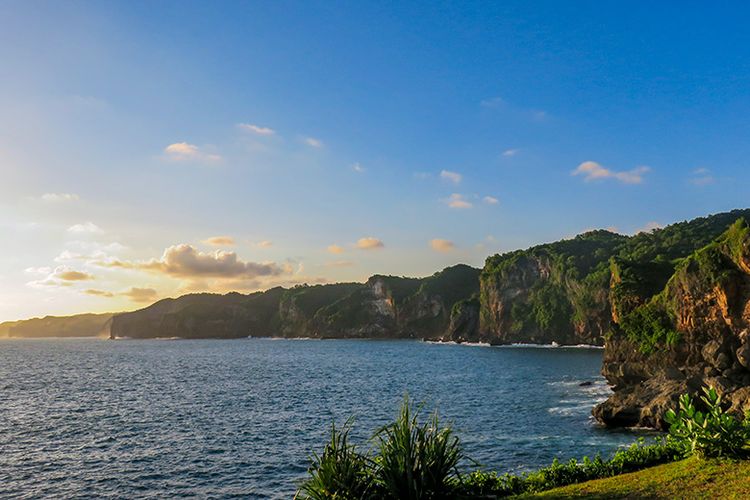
x=710, y=434
x=650, y=325
x=340, y=472
x=638, y=456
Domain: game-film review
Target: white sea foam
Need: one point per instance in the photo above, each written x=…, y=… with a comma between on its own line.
x=553, y=345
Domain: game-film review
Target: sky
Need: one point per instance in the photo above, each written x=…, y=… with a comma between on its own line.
x=151, y=149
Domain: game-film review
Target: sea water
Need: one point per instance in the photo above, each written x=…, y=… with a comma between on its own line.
x=223, y=418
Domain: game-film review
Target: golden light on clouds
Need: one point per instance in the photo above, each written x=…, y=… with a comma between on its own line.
x=220, y=241
x=440, y=245
x=369, y=243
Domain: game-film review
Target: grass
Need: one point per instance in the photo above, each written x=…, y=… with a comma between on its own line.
x=689, y=478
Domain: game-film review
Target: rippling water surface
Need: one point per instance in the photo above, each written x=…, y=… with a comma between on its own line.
x=85, y=417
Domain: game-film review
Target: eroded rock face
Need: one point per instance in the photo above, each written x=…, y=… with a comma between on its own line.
x=710, y=313
x=503, y=296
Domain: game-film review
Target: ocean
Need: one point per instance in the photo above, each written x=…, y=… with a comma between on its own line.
x=240, y=418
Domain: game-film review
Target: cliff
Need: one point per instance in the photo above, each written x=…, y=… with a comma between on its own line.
x=383, y=307
x=574, y=291
x=693, y=332
x=79, y=325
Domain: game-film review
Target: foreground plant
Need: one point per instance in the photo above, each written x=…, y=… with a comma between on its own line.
x=714, y=433
x=416, y=460
x=340, y=472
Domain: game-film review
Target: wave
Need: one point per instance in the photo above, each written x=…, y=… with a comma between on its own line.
x=453, y=342
x=553, y=345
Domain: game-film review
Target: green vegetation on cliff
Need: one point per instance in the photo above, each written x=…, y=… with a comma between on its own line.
x=585, y=287
x=655, y=321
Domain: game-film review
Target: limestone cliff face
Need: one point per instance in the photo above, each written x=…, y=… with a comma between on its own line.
x=704, y=313
x=539, y=296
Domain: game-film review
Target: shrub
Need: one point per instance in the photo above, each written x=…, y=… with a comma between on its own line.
x=340, y=472
x=711, y=434
x=638, y=456
x=417, y=460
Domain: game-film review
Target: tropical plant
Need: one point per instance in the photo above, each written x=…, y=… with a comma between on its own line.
x=416, y=460
x=340, y=472
x=713, y=433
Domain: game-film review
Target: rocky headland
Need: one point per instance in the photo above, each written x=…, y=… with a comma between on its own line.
x=671, y=306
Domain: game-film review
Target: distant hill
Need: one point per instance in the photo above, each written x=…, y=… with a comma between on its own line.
x=383, y=307
x=79, y=325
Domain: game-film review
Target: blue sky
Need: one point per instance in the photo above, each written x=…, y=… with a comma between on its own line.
x=327, y=141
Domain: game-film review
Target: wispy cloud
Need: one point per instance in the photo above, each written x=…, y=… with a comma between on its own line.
x=313, y=142
x=339, y=263
x=510, y=152
x=453, y=177
x=264, y=244
x=492, y=102
x=440, y=245
x=701, y=177
x=357, y=167
x=458, y=201
x=185, y=152
x=220, y=241
x=490, y=200
x=369, y=243
x=60, y=276
x=335, y=249
x=256, y=129
x=593, y=171
x=136, y=294
x=85, y=227
x=58, y=197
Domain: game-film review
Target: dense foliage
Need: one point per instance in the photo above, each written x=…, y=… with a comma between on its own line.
x=564, y=285
x=639, y=455
x=413, y=460
x=713, y=433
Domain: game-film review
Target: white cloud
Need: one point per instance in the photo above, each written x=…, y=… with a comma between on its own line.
x=490, y=200
x=511, y=152
x=458, y=201
x=453, y=177
x=59, y=197
x=357, y=167
x=264, y=244
x=313, y=142
x=187, y=262
x=184, y=152
x=440, y=245
x=369, y=243
x=593, y=171
x=220, y=241
x=256, y=129
x=86, y=227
